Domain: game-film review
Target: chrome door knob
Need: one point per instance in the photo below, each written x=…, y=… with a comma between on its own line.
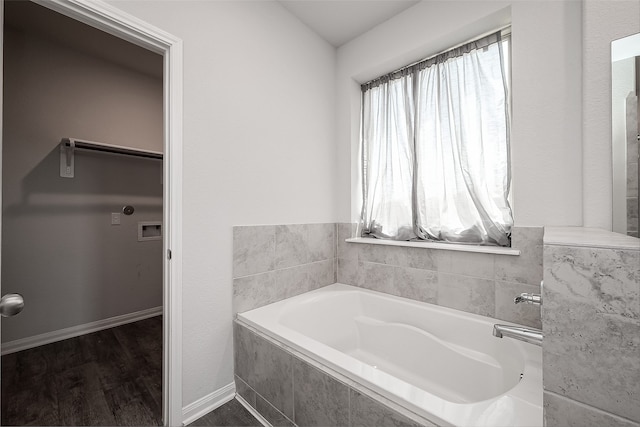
x=11, y=304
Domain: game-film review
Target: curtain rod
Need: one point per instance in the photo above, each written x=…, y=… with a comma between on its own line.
x=505, y=31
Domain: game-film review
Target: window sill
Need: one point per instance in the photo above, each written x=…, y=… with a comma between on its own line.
x=433, y=245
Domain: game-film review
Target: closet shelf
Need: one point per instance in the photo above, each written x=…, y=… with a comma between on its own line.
x=69, y=145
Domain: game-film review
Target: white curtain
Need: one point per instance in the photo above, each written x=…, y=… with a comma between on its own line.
x=435, y=149
x=388, y=165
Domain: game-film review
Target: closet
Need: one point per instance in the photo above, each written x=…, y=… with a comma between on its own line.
x=81, y=223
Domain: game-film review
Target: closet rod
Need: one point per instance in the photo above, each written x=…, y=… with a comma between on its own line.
x=108, y=148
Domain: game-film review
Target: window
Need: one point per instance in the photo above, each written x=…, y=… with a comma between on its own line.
x=435, y=148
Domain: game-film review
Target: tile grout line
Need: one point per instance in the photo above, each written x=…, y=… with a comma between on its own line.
x=267, y=401
x=335, y=252
x=272, y=406
x=293, y=393
x=282, y=269
x=588, y=406
x=328, y=372
x=494, y=278
x=349, y=404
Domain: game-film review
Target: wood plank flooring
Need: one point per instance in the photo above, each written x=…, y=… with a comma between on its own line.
x=231, y=414
x=111, y=377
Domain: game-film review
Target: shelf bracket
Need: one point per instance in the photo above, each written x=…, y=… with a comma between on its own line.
x=67, y=150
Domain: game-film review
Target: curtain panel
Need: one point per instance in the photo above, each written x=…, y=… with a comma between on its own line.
x=435, y=149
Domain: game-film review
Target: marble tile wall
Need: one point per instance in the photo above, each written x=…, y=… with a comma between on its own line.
x=274, y=262
x=478, y=283
x=289, y=391
x=591, y=319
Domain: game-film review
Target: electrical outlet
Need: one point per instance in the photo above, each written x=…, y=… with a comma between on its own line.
x=115, y=218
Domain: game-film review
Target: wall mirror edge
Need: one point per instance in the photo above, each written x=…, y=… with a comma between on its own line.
x=625, y=133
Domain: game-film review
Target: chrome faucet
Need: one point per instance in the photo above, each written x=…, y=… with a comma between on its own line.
x=530, y=335
x=528, y=299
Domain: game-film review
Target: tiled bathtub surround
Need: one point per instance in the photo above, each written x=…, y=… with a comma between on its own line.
x=274, y=262
x=591, y=319
x=287, y=389
x=479, y=283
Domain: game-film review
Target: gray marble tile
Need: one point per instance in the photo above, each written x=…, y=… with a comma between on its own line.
x=527, y=267
x=466, y=263
x=417, y=284
x=366, y=412
x=271, y=414
x=347, y=250
x=632, y=150
x=266, y=368
x=419, y=258
x=607, y=279
x=253, y=249
x=382, y=254
x=292, y=245
x=470, y=294
x=245, y=391
x=562, y=412
x=378, y=277
x=632, y=210
x=632, y=222
x=321, y=241
x=251, y=292
x=349, y=272
x=588, y=238
x=293, y=281
x=590, y=355
x=319, y=399
x=506, y=309
x=632, y=179
x=526, y=237
x=321, y=273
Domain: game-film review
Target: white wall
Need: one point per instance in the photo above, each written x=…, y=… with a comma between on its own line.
x=603, y=22
x=546, y=76
x=258, y=148
x=58, y=246
x=263, y=96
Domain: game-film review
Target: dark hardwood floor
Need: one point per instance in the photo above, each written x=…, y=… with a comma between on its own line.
x=111, y=377
x=231, y=414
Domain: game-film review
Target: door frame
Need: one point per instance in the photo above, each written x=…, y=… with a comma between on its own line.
x=114, y=21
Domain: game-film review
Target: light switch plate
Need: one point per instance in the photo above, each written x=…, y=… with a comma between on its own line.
x=115, y=218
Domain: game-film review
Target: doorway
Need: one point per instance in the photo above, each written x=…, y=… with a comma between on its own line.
x=78, y=252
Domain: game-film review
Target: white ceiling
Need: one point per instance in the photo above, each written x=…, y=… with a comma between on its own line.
x=339, y=21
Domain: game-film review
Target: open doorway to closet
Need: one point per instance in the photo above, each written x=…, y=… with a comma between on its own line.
x=82, y=227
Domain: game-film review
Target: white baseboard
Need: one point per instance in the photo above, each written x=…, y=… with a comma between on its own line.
x=253, y=411
x=208, y=403
x=76, y=331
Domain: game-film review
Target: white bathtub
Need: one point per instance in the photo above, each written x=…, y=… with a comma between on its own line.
x=442, y=364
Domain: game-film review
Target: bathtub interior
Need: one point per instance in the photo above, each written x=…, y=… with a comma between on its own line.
x=453, y=356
